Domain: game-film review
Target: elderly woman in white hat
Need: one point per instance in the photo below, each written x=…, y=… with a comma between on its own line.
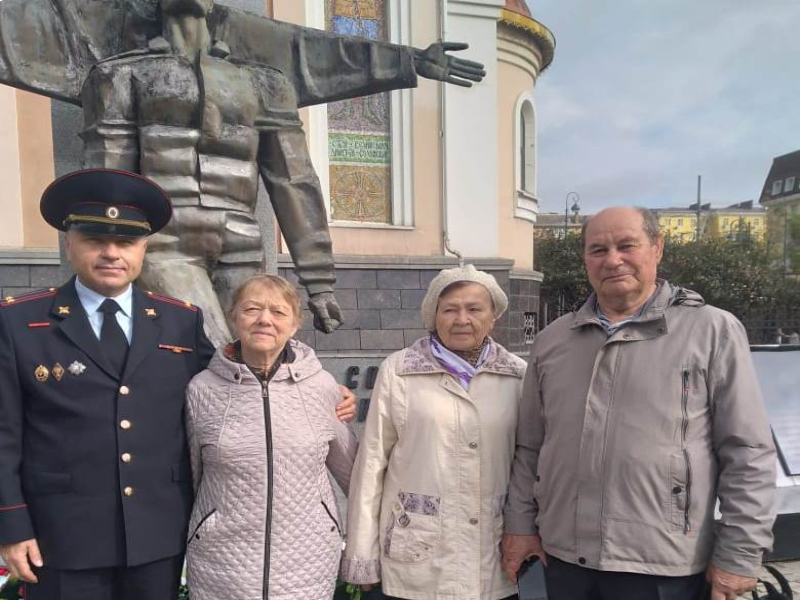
x=425, y=515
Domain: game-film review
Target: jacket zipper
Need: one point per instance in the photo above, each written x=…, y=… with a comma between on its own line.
x=199, y=525
x=684, y=432
x=330, y=514
x=268, y=527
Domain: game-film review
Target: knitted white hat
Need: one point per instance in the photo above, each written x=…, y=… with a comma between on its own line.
x=450, y=276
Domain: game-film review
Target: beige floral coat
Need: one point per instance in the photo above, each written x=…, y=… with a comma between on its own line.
x=429, y=484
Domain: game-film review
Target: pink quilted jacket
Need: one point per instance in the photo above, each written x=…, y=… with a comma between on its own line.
x=242, y=544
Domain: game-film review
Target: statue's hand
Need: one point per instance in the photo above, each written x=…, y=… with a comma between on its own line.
x=327, y=314
x=435, y=63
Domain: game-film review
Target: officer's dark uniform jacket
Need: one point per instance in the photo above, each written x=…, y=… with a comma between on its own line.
x=92, y=465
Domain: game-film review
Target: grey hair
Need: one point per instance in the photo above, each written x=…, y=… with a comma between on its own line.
x=649, y=224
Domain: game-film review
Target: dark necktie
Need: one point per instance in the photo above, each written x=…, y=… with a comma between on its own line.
x=112, y=338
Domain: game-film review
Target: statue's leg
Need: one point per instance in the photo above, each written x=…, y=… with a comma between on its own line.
x=177, y=263
x=242, y=255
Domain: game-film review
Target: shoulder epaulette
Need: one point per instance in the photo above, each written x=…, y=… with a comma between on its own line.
x=11, y=300
x=173, y=301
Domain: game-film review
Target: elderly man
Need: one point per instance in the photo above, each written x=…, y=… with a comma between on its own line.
x=640, y=410
x=95, y=486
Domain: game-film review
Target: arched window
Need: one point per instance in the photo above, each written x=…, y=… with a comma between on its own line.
x=527, y=205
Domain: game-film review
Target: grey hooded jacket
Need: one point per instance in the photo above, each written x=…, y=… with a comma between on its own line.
x=624, y=443
x=245, y=543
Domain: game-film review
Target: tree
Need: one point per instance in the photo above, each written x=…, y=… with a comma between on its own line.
x=565, y=284
x=737, y=276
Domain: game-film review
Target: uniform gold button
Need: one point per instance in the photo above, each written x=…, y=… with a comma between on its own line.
x=473, y=521
x=125, y=424
x=473, y=445
x=124, y=390
x=128, y=491
x=126, y=457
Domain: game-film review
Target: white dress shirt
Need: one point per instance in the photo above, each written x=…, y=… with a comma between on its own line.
x=91, y=302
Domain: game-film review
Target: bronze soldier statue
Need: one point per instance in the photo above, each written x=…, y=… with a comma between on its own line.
x=202, y=100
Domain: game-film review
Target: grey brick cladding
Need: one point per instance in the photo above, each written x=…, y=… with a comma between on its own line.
x=379, y=296
x=380, y=299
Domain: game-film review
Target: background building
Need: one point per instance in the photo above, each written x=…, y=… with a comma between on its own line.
x=681, y=223
x=737, y=222
x=781, y=198
x=555, y=224
x=412, y=177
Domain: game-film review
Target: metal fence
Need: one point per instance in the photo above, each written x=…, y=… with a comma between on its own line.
x=769, y=329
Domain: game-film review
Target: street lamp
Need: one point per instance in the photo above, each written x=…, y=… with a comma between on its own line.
x=575, y=209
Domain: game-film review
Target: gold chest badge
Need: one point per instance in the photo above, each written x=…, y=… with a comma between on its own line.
x=41, y=374
x=58, y=371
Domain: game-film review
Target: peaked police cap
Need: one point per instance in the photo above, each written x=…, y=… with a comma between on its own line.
x=106, y=202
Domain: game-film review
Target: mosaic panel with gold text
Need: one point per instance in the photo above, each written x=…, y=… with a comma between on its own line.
x=359, y=130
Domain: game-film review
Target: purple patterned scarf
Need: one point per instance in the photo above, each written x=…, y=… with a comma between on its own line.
x=454, y=364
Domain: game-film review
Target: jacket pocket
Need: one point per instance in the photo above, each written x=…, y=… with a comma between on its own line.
x=334, y=522
x=39, y=483
x=202, y=526
x=415, y=529
x=680, y=491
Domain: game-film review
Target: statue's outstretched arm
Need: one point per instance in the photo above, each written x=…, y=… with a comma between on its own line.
x=293, y=186
x=435, y=63
x=48, y=46
x=325, y=66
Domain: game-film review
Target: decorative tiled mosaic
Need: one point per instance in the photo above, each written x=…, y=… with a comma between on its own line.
x=361, y=193
x=359, y=130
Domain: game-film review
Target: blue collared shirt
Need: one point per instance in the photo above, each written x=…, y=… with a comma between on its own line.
x=91, y=302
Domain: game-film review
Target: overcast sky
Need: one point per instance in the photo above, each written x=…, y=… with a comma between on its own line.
x=644, y=95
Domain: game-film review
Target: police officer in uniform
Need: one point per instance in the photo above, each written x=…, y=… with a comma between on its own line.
x=95, y=483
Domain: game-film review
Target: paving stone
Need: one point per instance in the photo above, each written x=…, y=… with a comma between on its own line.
x=791, y=569
x=378, y=339
x=347, y=339
x=382, y=299
x=357, y=279
x=15, y=276
x=412, y=298
x=401, y=319
x=398, y=279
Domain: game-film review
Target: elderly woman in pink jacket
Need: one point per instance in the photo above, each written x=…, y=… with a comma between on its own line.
x=263, y=436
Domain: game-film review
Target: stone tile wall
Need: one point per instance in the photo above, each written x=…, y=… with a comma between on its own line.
x=25, y=271
x=380, y=305
x=381, y=308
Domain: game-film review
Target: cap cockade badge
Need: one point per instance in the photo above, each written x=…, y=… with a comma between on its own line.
x=112, y=212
